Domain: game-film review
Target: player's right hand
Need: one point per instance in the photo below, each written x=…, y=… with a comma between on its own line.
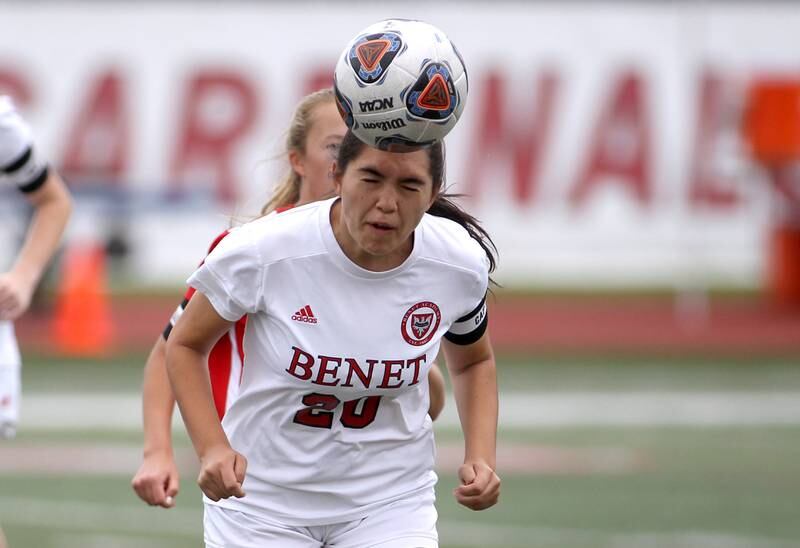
x=156, y=481
x=222, y=473
x=15, y=296
x=480, y=486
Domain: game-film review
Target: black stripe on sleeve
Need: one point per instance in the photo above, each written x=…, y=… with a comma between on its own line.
x=170, y=325
x=472, y=336
x=36, y=183
x=19, y=162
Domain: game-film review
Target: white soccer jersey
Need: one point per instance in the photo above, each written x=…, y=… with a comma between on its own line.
x=19, y=165
x=332, y=409
x=226, y=358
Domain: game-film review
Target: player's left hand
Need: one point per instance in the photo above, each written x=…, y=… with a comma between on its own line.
x=480, y=486
x=156, y=481
x=222, y=473
x=15, y=296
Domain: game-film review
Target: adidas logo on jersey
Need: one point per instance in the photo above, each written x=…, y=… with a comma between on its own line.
x=304, y=315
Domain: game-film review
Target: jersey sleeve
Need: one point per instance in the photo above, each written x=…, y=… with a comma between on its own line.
x=470, y=327
x=189, y=291
x=231, y=276
x=176, y=315
x=19, y=163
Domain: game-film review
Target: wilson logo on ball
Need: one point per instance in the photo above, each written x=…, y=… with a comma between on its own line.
x=397, y=123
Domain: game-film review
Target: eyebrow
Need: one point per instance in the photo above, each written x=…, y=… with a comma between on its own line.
x=375, y=172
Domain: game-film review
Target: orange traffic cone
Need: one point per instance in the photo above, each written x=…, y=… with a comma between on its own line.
x=83, y=325
x=784, y=265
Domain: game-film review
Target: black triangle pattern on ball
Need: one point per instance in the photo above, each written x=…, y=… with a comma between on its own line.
x=435, y=95
x=370, y=53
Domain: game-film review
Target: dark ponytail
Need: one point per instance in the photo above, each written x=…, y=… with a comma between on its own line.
x=443, y=206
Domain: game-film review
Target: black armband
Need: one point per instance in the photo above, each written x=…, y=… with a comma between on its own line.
x=470, y=327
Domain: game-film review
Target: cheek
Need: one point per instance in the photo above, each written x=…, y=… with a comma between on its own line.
x=417, y=207
x=417, y=219
x=350, y=216
x=319, y=162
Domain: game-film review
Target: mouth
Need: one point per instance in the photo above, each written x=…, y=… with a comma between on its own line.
x=381, y=227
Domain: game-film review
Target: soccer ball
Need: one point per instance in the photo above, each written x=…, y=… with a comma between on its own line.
x=400, y=85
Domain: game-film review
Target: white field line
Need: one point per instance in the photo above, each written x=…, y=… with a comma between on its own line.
x=99, y=520
x=91, y=411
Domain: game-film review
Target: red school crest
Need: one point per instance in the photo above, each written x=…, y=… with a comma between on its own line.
x=420, y=323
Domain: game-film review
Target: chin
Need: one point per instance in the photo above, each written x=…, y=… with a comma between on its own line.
x=380, y=248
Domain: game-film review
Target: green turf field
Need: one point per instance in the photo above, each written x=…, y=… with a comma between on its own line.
x=569, y=484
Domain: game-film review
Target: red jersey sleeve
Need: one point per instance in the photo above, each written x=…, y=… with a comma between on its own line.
x=190, y=290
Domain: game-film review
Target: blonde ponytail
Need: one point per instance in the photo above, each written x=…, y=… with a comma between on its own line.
x=287, y=192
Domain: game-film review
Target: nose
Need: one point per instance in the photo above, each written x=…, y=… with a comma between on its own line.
x=387, y=199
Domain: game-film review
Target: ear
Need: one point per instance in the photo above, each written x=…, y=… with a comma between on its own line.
x=296, y=160
x=434, y=195
x=337, y=179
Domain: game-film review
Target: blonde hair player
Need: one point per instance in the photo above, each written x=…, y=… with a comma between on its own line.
x=312, y=142
x=328, y=442
x=21, y=167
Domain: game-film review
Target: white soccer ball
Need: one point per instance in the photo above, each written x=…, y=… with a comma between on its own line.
x=400, y=84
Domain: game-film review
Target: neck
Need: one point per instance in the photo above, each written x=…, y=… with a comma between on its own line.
x=304, y=196
x=361, y=257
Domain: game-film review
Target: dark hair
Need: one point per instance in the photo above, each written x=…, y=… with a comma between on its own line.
x=443, y=206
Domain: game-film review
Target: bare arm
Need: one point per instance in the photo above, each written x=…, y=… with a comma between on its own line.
x=474, y=378
x=222, y=469
x=157, y=401
x=52, y=208
x=156, y=481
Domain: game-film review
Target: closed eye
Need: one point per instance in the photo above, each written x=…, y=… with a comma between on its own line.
x=370, y=175
x=411, y=184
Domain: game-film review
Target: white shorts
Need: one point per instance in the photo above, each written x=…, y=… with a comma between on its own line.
x=407, y=523
x=9, y=380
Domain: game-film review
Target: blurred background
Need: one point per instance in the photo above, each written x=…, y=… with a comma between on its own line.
x=635, y=162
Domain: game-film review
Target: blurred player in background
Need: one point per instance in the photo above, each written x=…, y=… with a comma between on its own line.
x=328, y=442
x=21, y=167
x=311, y=145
